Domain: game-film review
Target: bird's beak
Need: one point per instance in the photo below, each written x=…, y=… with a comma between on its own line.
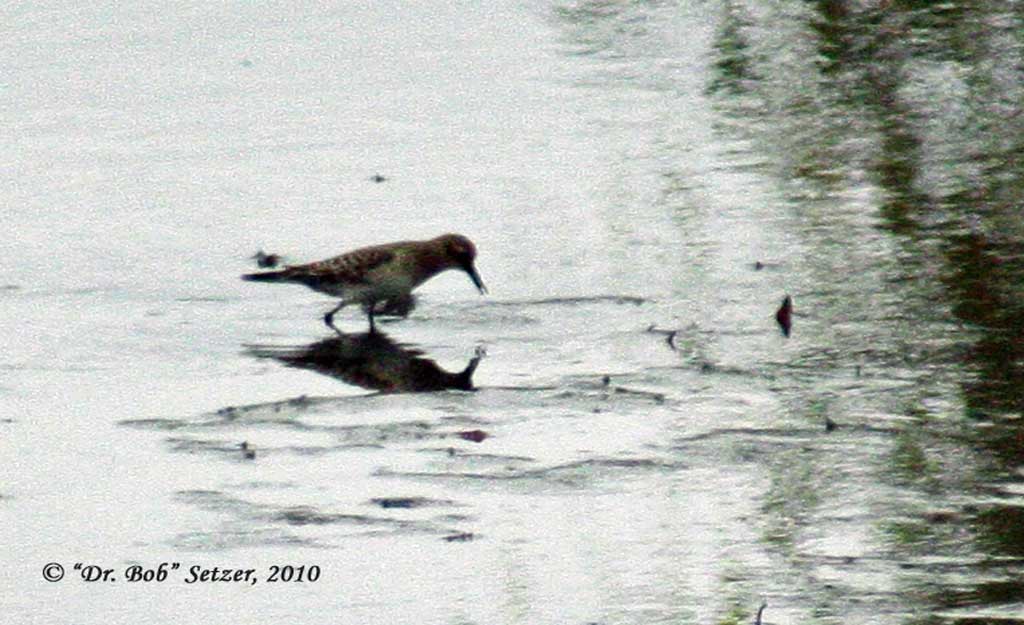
x=475, y=277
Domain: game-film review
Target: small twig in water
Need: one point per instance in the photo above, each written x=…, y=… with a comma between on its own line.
x=670, y=335
x=764, y=604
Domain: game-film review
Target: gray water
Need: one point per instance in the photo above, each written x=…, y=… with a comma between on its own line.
x=645, y=182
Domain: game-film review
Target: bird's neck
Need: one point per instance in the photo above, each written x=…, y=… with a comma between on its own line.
x=429, y=262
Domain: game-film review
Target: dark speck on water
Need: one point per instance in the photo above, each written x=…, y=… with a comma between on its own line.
x=266, y=261
x=408, y=502
x=670, y=335
x=784, y=315
x=476, y=436
x=461, y=537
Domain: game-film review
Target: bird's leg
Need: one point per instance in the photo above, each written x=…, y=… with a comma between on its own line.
x=329, y=317
x=373, y=328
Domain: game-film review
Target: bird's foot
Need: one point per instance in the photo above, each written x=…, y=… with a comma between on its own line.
x=329, y=321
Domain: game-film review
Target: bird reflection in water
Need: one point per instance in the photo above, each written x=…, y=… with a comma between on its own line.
x=373, y=361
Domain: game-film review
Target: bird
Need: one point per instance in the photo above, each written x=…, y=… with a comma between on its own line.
x=380, y=277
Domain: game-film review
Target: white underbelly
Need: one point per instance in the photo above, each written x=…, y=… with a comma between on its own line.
x=378, y=290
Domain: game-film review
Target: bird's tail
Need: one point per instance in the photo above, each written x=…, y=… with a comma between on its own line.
x=268, y=276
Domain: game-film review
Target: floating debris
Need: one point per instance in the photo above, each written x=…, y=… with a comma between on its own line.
x=760, y=611
x=462, y=537
x=409, y=502
x=266, y=261
x=670, y=335
x=378, y=178
x=477, y=436
x=247, y=452
x=784, y=315
x=658, y=398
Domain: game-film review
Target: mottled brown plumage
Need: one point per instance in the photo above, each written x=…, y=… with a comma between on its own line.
x=380, y=277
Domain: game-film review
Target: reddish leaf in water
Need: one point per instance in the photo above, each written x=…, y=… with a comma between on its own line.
x=473, y=435
x=784, y=316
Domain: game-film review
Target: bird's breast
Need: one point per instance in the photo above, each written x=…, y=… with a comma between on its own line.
x=385, y=285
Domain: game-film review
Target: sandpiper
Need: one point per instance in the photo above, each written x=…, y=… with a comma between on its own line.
x=380, y=277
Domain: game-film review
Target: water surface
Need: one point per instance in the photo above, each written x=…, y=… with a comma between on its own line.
x=619, y=433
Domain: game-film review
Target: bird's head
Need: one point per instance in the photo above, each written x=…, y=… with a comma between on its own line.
x=461, y=253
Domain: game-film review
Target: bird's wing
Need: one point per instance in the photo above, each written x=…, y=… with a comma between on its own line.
x=350, y=268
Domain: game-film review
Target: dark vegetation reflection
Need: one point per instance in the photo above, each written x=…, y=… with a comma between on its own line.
x=920, y=103
x=372, y=361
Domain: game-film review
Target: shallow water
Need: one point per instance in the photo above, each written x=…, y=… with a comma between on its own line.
x=619, y=432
